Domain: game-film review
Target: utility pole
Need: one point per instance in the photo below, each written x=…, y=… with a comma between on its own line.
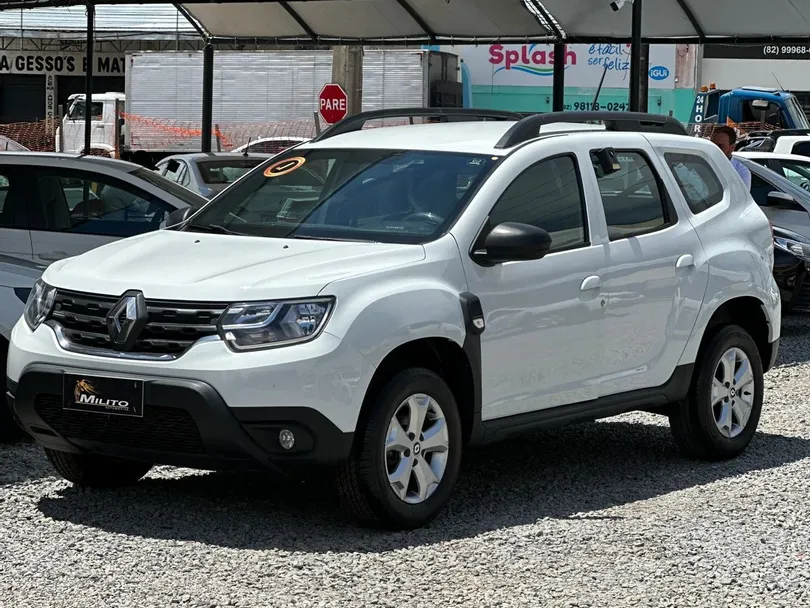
x=644, y=79
x=347, y=71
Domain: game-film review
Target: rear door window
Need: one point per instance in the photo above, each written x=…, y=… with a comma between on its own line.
x=697, y=180
x=632, y=197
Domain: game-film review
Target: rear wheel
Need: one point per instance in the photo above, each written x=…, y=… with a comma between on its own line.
x=407, y=456
x=720, y=416
x=96, y=471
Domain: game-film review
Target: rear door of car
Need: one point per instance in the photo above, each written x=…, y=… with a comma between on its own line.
x=15, y=236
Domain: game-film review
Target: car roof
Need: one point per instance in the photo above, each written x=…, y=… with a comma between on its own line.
x=777, y=155
x=37, y=157
x=474, y=137
x=195, y=156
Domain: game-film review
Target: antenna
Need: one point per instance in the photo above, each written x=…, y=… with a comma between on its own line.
x=247, y=146
x=777, y=82
x=595, y=104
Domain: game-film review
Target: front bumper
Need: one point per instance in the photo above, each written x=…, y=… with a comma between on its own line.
x=185, y=423
x=210, y=409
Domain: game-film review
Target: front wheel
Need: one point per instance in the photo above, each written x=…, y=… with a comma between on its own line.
x=96, y=471
x=720, y=416
x=407, y=455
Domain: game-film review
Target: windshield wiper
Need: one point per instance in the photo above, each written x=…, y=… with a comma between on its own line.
x=216, y=228
x=331, y=238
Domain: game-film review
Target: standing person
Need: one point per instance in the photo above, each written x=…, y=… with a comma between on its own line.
x=725, y=137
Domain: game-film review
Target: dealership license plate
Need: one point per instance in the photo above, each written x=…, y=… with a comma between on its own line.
x=103, y=395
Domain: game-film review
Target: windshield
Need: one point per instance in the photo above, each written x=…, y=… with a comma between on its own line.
x=395, y=196
x=176, y=190
x=226, y=171
x=798, y=115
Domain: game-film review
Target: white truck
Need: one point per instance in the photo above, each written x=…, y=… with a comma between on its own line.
x=160, y=112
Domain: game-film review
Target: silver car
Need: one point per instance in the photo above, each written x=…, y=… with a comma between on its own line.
x=208, y=173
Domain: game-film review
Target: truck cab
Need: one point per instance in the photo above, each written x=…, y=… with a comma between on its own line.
x=748, y=104
x=70, y=134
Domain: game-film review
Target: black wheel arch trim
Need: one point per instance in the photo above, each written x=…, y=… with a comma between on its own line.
x=474, y=326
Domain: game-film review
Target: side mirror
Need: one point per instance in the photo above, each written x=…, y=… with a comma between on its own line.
x=178, y=216
x=781, y=200
x=513, y=242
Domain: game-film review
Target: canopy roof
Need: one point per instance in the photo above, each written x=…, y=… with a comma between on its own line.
x=483, y=21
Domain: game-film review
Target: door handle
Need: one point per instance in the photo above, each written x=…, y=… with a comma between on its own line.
x=53, y=256
x=592, y=282
x=685, y=261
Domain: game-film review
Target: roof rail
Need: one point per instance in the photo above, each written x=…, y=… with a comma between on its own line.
x=529, y=127
x=358, y=121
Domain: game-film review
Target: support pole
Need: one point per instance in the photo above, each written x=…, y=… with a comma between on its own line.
x=558, y=91
x=644, y=79
x=88, y=80
x=635, y=58
x=207, y=97
x=347, y=71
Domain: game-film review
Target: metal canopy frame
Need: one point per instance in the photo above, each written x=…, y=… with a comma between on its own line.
x=547, y=25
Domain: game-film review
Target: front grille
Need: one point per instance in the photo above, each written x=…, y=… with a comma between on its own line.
x=172, y=328
x=164, y=429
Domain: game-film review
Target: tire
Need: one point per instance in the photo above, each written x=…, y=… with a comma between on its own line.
x=10, y=431
x=694, y=422
x=96, y=471
x=363, y=481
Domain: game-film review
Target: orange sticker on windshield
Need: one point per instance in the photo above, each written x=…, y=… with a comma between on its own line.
x=283, y=167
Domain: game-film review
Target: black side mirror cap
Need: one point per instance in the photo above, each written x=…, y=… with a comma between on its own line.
x=781, y=200
x=178, y=216
x=513, y=242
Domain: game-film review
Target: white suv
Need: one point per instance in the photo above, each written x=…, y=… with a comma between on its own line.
x=439, y=286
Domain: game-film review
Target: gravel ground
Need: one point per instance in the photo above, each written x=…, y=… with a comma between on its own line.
x=605, y=514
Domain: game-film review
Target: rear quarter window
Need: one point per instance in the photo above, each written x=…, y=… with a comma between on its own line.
x=697, y=180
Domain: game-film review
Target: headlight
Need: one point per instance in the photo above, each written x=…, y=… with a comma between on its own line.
x=39, y=304
x=798, y=248
x=257, y=325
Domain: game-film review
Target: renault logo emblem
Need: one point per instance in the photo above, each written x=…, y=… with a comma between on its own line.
x=126, y=319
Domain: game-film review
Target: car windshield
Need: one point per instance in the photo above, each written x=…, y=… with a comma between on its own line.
x=176, y=190
x=226, y=171
x=397, y=196
x=798, y=115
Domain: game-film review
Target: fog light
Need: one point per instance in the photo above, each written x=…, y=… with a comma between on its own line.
x=286, y=439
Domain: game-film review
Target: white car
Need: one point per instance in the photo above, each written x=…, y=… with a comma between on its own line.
x=440, y=286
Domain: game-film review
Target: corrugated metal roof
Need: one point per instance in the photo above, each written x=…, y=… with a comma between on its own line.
x=120, y=19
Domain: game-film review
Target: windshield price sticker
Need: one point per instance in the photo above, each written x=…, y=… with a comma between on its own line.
x=283, y=167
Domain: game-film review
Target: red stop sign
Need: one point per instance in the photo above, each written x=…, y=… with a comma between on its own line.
x=333, y=103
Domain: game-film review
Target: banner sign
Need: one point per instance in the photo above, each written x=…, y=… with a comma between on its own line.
x=43, y=62
x=532, y=65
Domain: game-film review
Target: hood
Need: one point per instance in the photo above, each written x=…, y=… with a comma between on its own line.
x=170, y=265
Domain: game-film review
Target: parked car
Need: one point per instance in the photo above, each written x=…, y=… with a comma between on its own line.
x=270, y=145
x=784, y=203
x=206, y=173
x=790, y=269
x=54, y=206
x=9, y=145
x=793, y=167
x=444, y=291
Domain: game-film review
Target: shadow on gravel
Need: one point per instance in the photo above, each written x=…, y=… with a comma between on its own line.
x=571, y=473
x=23, y=461
x=794, y=347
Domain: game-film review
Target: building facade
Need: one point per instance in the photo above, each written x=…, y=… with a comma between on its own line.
x=519, y=77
